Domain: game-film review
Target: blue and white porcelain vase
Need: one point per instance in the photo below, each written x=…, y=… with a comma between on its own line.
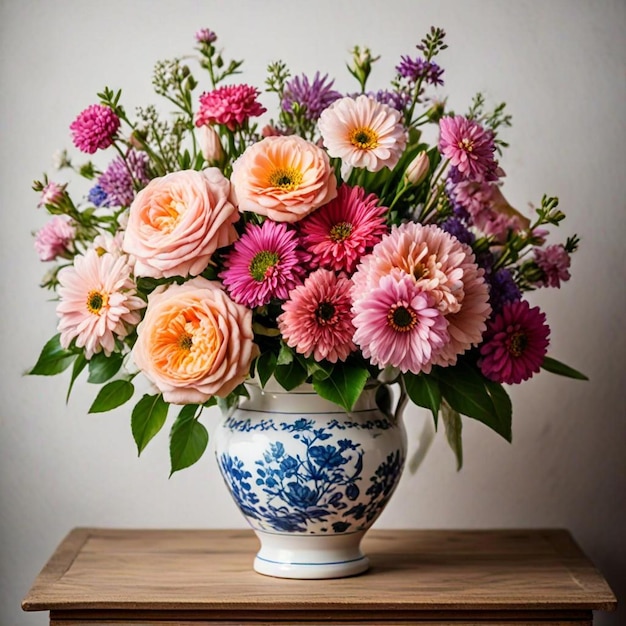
x=310, y=478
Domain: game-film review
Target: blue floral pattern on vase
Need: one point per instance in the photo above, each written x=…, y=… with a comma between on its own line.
x=318, y=484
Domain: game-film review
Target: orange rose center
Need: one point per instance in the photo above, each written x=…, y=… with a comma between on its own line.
x=169, y=215
x=364, y=138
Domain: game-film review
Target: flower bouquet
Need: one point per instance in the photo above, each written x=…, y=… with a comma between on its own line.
x=350, y=239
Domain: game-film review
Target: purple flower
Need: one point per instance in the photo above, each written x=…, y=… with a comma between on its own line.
x=119, y=179
x=398, y=100
x=554, y=262
x=95, y=128
x=420, y=69
x=456, y=227
x=98, y=196
x=502, y=289
x=205, y=35
x=314, y=96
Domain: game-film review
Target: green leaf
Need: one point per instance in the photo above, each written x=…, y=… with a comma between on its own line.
x=103, y=368
x=290, y=375
x=556, y=367
x=454, y=427
x=112, y=395
x=285, y=356
x=344, y=386
x=188, y=439
x=320, y=370
x=424, y=391
x=470, y=393
x=79, y=365
x=147, y=419
x=53, y=359
x=265, y=366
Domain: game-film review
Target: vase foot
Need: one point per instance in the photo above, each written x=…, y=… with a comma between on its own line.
x=310, y=556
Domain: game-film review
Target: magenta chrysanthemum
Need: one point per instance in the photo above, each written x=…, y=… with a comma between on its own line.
x=95, y=128
x=554, y=262
x=231, y=105
x=441, y=265
x=469, y=147
x=264, y=264
x=399, y=325
x=339, y=233
x=97, y=302
x=316, y=320
x=515, y=343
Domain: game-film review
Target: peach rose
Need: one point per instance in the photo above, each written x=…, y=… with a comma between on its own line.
x=284, y=178
x=194, y=342
x=178, y=221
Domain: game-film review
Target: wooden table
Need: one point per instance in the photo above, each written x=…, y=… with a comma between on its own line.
x=191, y=577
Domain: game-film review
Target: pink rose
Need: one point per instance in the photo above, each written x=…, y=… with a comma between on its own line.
x=178, y=221
x=194, y=342
x=284, y=178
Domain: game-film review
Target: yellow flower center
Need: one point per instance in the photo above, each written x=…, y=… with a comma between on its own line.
x=402, y=319
x=364, y=138
x=466, y=144
x=517, y=343
x=340, y=232
x=285, y=178
x=96, y=300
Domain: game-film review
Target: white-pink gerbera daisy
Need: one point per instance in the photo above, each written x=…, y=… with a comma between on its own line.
x=399, y=325
x=316, y=320
x=441, y=265
x=363, y=133
x=97, y=302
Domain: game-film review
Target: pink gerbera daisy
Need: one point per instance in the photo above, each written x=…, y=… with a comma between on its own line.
x=317, y=320
x=265, y=263
x=97, y=302
x=399, y=325
x=342, y=231
x=469, y=147
x=363, y=133
x=231, y=106
x=95, y=128
x=515, y=343
x=441, y=265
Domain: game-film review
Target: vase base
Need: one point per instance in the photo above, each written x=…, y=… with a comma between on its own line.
x=310, y=556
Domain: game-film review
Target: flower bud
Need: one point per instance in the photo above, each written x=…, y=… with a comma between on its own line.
x=210, y=144
x=417, y=170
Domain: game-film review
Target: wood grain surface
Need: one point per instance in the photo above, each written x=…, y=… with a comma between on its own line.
x=195, y=575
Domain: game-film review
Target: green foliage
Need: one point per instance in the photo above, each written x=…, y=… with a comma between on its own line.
x=265, y=366
x=454, y=427
x=556, y=367
x=53, y=359
x=188, y=439
x=344, y=386
x=147, y=419
x=291, y=374
x=103, y=368
x=424, y=391
x=112, y=395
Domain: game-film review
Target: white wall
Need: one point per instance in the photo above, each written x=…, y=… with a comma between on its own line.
x=559, y=65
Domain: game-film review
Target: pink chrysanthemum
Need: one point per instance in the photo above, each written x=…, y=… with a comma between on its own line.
x=55, y=238
x=97, y=302
x=338, y=234
x=317, y=320
x=469, y=147
x=363, y=133
x=264, y=264
x=399, y=325
x=515, y=343
x=51, y=194
x=231, y=105
x=95, y=128
x=554, y=261
x=440, y=265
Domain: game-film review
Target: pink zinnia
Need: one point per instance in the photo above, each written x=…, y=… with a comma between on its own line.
x=95, y=128
x=442, y=266
x=339, y=233
x=55, y=238
x=51, y=194
x=316, y=320
x=469, y=147
x=515, y=343
x=399, y=325
x=231, y=105
x=264, y=264
x=97, y=302
x=554, y=261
